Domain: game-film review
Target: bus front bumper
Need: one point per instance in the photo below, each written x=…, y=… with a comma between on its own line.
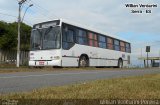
x=45, y=63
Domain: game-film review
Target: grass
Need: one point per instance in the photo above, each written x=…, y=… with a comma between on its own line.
x=27, y=69
x=141, y=87
x=22, y=69
x=13, y=68
x=10, y=68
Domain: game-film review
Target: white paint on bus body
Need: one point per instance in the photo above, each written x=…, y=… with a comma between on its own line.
x=70, y=58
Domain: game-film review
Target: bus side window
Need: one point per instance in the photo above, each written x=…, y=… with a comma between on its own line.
x=116, y=45
x=67, y=39
x=102, y=41
x=92, y=39
x=110, y=43
x=128, y=48
x=81, y=37
x=122, y=45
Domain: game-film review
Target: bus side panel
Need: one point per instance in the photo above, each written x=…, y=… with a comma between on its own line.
x=93, y=62
x=97, y=56
x=69, y=59
x=69, y=62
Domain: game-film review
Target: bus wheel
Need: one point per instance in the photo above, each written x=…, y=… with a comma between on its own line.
x=83, y=61
x=120, y=63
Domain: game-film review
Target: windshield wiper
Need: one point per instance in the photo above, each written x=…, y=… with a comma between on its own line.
x=39, y=46
x=47, y=31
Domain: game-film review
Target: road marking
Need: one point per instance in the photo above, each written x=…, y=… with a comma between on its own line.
x=10, y=77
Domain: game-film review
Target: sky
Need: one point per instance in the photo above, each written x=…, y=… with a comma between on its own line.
x=110, y=16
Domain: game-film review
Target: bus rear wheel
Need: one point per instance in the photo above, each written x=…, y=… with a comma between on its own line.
x=83, y=62
x=120, y=63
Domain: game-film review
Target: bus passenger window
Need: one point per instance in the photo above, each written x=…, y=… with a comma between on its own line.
x=128, y=48
x=102, y=41
x=68, y=39
x=109, y=43
x=92, y=39
x=116, y=45
x=122, y=45
x=82, y=37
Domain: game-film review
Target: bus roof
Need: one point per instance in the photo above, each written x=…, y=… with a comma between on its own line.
x=85, y=27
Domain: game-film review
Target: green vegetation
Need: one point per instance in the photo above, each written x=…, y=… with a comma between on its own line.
x=141, y=87
x=8, y=36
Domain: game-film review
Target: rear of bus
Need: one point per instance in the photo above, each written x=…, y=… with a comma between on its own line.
x=46, y=44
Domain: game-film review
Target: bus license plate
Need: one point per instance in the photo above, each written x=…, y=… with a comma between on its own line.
x=41, y=63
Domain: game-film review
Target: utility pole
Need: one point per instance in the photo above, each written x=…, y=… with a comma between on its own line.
x=20, y=2
x=159, y=58
x=141, y=52
x=141, y=57
x=147, y=50
x=147, y=60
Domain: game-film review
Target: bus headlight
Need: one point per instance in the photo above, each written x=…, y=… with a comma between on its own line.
x=57, y=57
x=31, y=58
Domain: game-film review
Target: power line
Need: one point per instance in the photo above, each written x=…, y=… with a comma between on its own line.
x=42, y=9
x=8, y=15
x=38, y=14
x=38, y=11
x=44, y=15
x=14, y=17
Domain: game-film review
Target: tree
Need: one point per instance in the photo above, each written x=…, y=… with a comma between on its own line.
x=8, y=36
x=25, y=36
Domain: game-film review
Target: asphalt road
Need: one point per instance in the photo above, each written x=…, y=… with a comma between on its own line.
x=28, y=81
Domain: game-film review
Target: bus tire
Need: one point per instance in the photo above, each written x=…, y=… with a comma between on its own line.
x=120, y=63
x=83, y=61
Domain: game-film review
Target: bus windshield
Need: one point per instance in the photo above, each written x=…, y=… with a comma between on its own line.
x=45, y=38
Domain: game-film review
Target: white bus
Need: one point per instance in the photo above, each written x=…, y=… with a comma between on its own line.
x=65, y=44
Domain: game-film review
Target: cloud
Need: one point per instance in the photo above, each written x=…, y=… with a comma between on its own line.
x=110, y=16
